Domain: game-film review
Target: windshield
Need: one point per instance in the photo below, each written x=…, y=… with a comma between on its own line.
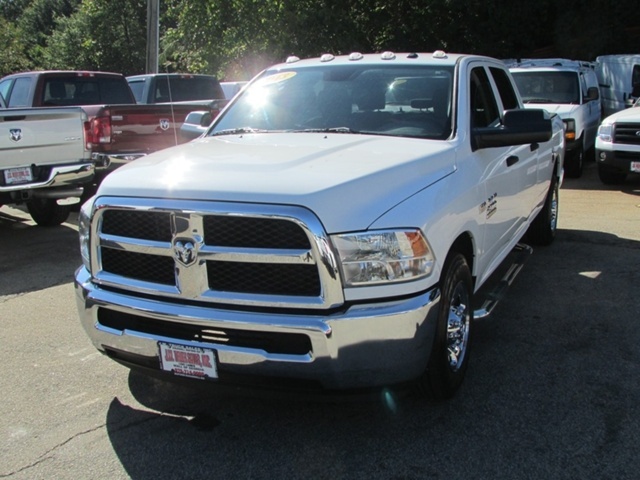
x=548, y=87
x=381, y=100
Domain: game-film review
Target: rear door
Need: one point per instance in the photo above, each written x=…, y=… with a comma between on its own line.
x=509, y=173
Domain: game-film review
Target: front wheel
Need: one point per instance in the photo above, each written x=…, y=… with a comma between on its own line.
x=574, y=163
x=47, y=213
x=450, y=351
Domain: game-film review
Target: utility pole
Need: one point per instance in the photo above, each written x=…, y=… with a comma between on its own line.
x=153, y=27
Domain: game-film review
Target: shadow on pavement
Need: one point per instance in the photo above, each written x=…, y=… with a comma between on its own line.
x=35, y=257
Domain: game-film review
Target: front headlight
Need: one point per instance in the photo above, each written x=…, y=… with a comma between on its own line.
x=605, y=132
x=84, y=232
x=371, y=258
x=569, y=129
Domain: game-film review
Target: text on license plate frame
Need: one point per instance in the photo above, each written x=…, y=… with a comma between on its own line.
x=18, y=175
x=188, y=361
x=635, y=167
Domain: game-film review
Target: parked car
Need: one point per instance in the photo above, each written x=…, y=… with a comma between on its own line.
x=332, y=228
x=618, y=145
x=619, y=78
x=570, y=89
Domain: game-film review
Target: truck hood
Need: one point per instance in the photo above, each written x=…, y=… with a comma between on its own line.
x=564, y=110
x=347, y=180
x=627, y=115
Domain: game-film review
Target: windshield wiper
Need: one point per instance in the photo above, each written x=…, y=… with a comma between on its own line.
x=539, y=100
x=328, y=130
x=235, y=131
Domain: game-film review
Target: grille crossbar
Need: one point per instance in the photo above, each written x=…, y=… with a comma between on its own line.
x=627, y=133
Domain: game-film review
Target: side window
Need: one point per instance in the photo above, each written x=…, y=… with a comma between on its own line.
x=484, y=109
x=137, y=87
x=635, y=81
x=505, y=88
x=20, y=93
x=583, y=86
x=4, y=88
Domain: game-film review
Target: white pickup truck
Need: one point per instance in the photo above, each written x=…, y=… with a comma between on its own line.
x=330, y=229
x=618, y=146
x=44, y=160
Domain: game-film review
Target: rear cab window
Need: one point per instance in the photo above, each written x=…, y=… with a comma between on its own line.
x=85, y=90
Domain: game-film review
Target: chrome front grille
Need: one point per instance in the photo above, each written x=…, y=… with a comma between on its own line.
x=628, y=133
x=273, y=256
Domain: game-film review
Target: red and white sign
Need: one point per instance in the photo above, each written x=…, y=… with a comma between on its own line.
x=188, y=361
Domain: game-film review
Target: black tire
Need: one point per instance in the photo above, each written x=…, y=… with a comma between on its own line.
x=574, y=163
x=47, y=213
x=609, y=176
x=450, y=351
x=542, y=230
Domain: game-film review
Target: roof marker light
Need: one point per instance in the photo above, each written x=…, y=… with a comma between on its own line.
x=388, y=56
x=327, y=57
x=412, y=55
x=293, y=59
x=356, y=56
x=439, y=54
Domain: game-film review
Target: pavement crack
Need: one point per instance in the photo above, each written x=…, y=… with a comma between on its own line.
x=49, y=453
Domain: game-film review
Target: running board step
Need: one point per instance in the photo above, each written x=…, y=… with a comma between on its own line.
x=519, y=255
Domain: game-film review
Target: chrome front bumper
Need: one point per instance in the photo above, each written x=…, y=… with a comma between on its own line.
x=365, y=346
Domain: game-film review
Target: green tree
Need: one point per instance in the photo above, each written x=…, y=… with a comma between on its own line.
x=13, y=57
x=37, y=22
x=108, y=35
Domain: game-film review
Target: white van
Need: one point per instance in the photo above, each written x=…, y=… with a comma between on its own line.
x=619, y=79
x=570, y=89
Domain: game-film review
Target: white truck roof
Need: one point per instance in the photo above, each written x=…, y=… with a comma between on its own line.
x=437, y=57
x=554, y=63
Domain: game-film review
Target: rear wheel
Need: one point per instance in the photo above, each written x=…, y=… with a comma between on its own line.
x=543, y=228
x=47, y=213
x=450, y=352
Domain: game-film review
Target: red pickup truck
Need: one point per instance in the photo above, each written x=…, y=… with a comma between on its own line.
x=119, y=130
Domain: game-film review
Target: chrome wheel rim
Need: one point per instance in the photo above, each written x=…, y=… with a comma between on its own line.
x=458, y=323
x=553, y=213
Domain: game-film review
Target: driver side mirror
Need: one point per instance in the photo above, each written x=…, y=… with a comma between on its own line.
x=592, y=94
x=519, y=127
x=196, y=124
